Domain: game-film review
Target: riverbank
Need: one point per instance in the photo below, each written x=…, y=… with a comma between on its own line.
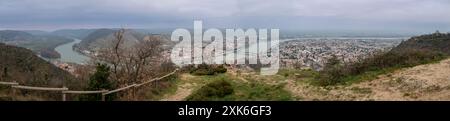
x=69, y=55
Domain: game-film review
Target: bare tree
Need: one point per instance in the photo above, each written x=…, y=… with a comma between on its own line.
x=133, y=64
x=118, y=41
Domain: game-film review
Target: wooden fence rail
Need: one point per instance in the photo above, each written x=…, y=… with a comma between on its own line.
x=85, y=92
x=65, y=90
x=120, y=89
x=156, y=79
x=9, y=83
x=40, y=88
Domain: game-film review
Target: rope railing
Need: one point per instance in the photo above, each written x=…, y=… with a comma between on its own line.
x=65, y=90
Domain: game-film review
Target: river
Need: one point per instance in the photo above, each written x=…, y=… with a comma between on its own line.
x=69, y=55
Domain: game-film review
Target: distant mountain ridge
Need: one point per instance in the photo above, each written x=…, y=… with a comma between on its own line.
x=11, y=35
x=102, y=37
x=43, y=44
x=73, y=33
x=36, y=32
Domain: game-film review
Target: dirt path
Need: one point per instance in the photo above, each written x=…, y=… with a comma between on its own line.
x=182, y=92
x=184, y=89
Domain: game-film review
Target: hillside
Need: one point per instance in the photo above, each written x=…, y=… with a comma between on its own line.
x=439, y=42
x=22, y=65
x=44, y=44
x=424, y=82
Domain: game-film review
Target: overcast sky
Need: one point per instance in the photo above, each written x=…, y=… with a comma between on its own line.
x=414, y=15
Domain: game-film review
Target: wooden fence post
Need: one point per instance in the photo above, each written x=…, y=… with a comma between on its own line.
x=63, y=94
x=104, y=95
x=13, y=91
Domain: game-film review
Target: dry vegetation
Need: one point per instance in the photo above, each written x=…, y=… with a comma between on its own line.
x=132, y=65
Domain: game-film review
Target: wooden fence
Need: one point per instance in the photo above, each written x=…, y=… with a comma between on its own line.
x=65, y=90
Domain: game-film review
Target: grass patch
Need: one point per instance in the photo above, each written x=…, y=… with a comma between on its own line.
x=260, y=92
x=304, y=75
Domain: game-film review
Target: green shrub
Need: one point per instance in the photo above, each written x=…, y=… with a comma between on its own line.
x=220, y=69
x=331, y=73
x=204, y=69
x=211, y=91
x=99, y=81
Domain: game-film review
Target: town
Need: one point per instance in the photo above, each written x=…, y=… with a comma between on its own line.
x=312, y=53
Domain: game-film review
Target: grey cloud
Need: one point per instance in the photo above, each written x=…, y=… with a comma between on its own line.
x=225, y=13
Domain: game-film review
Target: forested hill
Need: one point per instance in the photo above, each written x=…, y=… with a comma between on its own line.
x=438, y=42
x=22, y=65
